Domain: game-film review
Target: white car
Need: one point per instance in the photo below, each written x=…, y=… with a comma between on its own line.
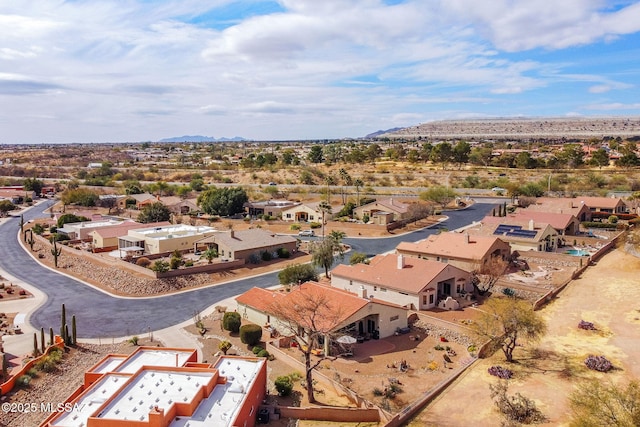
x=499, y=189
x=308, y=233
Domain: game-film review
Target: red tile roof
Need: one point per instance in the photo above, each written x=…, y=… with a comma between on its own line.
x=413, y=277
x=559, y=221
x=453, y=245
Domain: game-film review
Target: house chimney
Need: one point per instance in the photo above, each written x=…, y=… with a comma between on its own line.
x=466, y=238
x=391, y=201
x=363, y=292
x=531, y=225
x=400, y=262
x=231, y=234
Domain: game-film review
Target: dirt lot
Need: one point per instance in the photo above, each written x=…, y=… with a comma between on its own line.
x=550, y=371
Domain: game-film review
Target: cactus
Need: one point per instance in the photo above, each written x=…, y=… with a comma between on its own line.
x=74, y=332
x=63, y=324
x=21, y=223
x=50, y=336
x=67, y=338
x=42, y=339
x=55, y=251
x=5, y=366
x=29, y=240
x=35, y=345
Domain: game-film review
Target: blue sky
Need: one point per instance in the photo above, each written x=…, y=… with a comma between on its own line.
x=135, y=70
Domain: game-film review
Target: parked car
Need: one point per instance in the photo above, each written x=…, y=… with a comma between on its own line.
x=308, y=233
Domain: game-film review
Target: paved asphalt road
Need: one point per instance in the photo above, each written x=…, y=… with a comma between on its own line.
x=104, y=316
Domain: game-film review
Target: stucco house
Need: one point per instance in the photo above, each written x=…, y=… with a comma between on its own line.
x=273, y=208
x=353, y=314
x=458, y=249
x=415, y=283
x=163, y=239
x=383, y=211
x=564, y=223
x=308, y=212
x=106, y=238
x=562, y=205
x=521, y=236
x=243, y=244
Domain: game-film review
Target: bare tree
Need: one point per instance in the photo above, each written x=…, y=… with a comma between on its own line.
x=418, y=211
x=309, y=315
x=485, y=276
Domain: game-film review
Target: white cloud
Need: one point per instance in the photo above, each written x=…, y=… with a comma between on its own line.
x=315, y=69
x=613, y=106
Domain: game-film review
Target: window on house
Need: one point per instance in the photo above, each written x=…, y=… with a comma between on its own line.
x=375, y=288
x=383, y=289
x=430, y=299
x=350, y=282
x=394, y=318
x=424, y=300
x=288, y=215
x=444, y=260
x=403, y=293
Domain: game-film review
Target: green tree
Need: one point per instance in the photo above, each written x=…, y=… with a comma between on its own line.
x=460, y=153
x=439, y=194
x=315, y=154
x=599, y=158
x=597, y=403
x=373, y=152
x=504, y=321
x=79, y=196
x=323, y=253
x=33, y=184
x=223, y=201
x=297, y=273
x=70, y=218
x=531, y=189
x=442, y=153
x=154, y=212
x=571, y=155
x=358, y=258
x=5, y=207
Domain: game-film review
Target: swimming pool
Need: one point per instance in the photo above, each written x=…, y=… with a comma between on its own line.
x=577, y=252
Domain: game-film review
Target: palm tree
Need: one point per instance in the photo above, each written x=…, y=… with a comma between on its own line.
x=346, y=180
x=210, y=254
x=358, y=184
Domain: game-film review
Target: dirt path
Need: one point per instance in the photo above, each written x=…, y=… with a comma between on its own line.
x=608, y=295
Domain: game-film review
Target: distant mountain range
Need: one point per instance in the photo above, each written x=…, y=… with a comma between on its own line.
x=200, y=138
x=382, y=132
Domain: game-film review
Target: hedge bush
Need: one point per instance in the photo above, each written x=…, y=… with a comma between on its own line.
x=250, y=334
x=283, y=253
x=284, y=385
x=231, y=321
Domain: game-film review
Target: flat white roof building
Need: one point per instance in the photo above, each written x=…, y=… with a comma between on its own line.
x=149, y=389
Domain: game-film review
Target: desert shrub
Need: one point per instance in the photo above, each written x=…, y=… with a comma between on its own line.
x=263, y=353
x=33, y=372
x=295, y=227
x=254, y=259
x=586, y=325
x=283, y=253
x=134, y=340
x=143, y=262
x=598, y=363
x=508, y=292
x=47, y=364
x=250, y=334
x=175, y=263
x=432, y=366
x=224, y=346
x=231, y=321
x=23, y=381
x=500, y=372
x=315, y=225
x=160, y=266
x=439, y=347
x=257, y=349
x=377, y=392
x=284, y=385
x=266, y=256
x=517, y=407
x=188, y=263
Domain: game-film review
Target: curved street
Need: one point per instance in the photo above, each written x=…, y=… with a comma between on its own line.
x=101, y=315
